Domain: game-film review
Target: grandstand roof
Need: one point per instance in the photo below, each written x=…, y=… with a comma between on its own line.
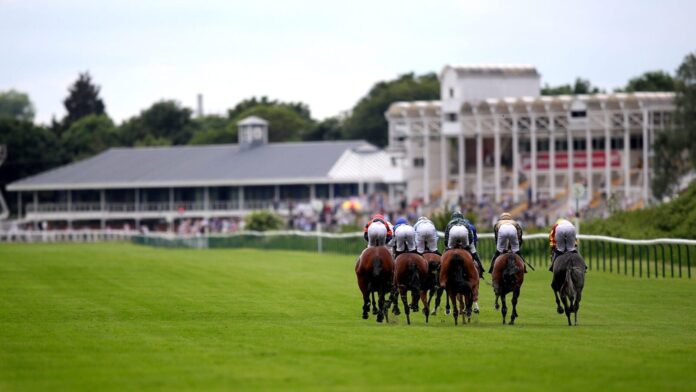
x=492, y=70
x=217, y=165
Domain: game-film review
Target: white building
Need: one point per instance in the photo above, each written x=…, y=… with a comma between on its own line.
x=493, y=136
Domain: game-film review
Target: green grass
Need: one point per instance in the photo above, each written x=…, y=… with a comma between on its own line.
x=120, y=316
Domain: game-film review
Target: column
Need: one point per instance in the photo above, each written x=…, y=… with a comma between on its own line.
x=496, y=155
x=35, y=200
x=552, y=153
x=515, y=160
x=443, y=166
x=571, y=155
x=533, y=142
x=390, y=194
x=479, y=160
x=331, y=193
x=171, y=199
x=102, y=207
x=206, y=198
x=646, y=163
x=607, y=152
x=426, y=162
x=19, y=205
x=588, y=152
x=276, y=193
x=462, y=167
x=69, y=209
x=241, y=197
x=312, y=192
x=136, y=208
x=627, y=155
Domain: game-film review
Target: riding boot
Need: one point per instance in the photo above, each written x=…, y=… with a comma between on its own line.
x=495, y=256
x=518, y=253
x=554, y=254
x=478, y=263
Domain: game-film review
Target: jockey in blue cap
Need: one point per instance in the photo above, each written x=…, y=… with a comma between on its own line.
x=404, y=237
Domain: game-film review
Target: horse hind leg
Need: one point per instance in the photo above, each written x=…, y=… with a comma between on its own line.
x=426, y=307
x=447, y=305
x=469, y=303
x=395, y=300
x=374, y=304
x=504, y=309
x=559, y=308
x=462, y=307
x=404, y=299
x=514, y=315
x=455, y=312
x=577, y=308
x=381, y=312
x=437, y=301
x=366, y=305
x=414, y=300
x=567, y=308
x=496, y=302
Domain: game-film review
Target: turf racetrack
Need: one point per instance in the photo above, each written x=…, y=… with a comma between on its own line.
x=120, y=316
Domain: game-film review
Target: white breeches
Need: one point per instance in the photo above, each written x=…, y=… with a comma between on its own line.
x=376, y=234
x=426, y=236
x=405, y=238
x=460, y=234
x=507, y=239
x=565, y=237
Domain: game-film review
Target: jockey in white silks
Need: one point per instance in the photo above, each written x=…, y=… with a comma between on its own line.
x=426, y=236
x=404, y=237
x=378, y=231
x=562, y=239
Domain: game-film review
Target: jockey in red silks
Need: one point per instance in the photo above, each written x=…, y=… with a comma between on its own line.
x=378, y=231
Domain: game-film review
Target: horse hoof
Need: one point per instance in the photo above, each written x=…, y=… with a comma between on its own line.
x=375, y=311
x=364, y=316
x=559, y=310
x=476, y=310
x=396, y=312
x=497, y=306
x=380, y=318
x=447, y=312
x=433, y=313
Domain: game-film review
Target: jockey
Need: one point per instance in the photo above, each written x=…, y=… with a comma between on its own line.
x=378, y=227
x=426, y=236
x=562, y=239
x=404, y=237
x=458, y=221
x=508, y=233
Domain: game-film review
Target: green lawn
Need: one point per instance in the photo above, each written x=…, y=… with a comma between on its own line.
x=120, y=316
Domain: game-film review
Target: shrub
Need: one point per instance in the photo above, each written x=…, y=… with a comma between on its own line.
x=264, y=220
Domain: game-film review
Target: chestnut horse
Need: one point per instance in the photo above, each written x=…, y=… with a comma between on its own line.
x=411, y=275
x=375, y=272
x=568, y=281
x=433, y=282
x=508, y=276
x=459, y=276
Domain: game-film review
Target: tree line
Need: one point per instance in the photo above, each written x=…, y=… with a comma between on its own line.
x=86, y=129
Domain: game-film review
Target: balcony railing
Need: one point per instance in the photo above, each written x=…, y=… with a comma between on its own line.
x=177, y=206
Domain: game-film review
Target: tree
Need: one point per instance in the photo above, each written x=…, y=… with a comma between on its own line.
x=287, y=121
x=581, y=86
x=298, y=107
x=16, y=105
x=327, y=129
x=165, y=122
x=88, y=136
x=675, y=148
x=367, y=119
x=83, y=100
x=263, y=220
x=651, y=81
x=30, y=149
x=213, y=129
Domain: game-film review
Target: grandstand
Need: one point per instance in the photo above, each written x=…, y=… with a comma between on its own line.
x=493, y=137
x=159, y=185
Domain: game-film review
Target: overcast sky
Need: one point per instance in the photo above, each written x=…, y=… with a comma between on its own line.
x=324, y=53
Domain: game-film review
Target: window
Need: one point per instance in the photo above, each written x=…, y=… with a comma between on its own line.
x=636, y=142
x=578, y=114
x=451, y=117
x=418, y=162
x=561, y=145
x=525, y=146
x=617, y=143
x=598, y=143
x=543, y=145
x=579, y=144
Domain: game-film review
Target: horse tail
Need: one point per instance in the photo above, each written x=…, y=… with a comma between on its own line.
x=568, y=286
x=511, y=269
x=457, y=272
x=413, y=276
x=376, y=267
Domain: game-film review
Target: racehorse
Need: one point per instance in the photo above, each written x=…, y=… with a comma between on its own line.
x=508, y=276
x=568, y=281
x=411, y=275
x=375, y=272
x=459, y=276
x=433, y=282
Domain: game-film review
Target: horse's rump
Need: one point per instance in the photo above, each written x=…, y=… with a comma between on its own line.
x=458, y=269
x=411, y=271
x=508, y=272
x=376, y=265
x=569, y=273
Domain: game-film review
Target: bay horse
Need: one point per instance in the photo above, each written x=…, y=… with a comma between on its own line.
x=568, y=281
x=508, y=276
x=433, y=281
x=375, y=272
x=411, y=274
x=459, y=276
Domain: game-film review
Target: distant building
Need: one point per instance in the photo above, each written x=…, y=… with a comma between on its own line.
x=492, y=136
x=133, y=185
